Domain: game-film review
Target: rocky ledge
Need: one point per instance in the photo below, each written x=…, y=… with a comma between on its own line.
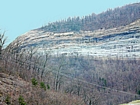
x=123, y=42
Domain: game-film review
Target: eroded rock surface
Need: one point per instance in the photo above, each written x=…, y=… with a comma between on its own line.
x=123, y=42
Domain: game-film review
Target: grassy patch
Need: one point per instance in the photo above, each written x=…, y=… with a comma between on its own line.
x=137, y=102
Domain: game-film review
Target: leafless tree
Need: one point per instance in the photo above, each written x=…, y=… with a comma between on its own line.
x=47, y=54
x=58, y=68
x=2, y=42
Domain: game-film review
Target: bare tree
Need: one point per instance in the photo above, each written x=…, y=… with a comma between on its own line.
x=2, y=42
x=58, y=77
x=31, y=52
x=45, y=63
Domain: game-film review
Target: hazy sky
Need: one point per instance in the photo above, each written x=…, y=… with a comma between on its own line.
x=20, y=16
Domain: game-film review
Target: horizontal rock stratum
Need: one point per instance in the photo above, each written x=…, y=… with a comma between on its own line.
x=122, y=42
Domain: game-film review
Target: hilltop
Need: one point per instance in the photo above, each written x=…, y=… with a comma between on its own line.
x=111, y=18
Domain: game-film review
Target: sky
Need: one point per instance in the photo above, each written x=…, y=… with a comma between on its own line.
x=20, y=16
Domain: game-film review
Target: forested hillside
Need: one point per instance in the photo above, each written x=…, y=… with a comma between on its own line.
x=111, y=18
x=93, y=60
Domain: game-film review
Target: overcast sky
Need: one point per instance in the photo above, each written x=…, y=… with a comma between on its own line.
x=20, y=16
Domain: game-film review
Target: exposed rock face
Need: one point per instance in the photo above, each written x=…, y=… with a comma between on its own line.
x=117, y=42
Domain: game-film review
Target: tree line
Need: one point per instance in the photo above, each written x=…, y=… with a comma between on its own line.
x=111, y=18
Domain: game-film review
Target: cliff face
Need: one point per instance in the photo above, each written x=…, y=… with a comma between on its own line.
x=116, y=42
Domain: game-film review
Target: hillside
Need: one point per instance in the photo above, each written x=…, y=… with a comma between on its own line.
x=12, y=87
x=82, y=63
x=96, y=61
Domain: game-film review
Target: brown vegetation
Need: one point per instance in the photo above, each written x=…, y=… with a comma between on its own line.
x=13, y=87
x=96, y=81
x=71, y=80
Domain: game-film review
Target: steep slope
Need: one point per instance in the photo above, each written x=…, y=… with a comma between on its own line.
x=121, y=42
x=12, y=87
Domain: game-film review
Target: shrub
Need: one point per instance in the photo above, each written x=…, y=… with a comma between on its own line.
x=34, y=82
x=21, y=100
x=139, y=92
x=48, y=86
x=42, y=85
x=7, y=100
